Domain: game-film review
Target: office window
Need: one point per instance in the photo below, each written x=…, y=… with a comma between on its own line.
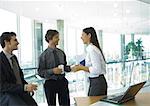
x=7, y=23
x=74, y=47
x=80, y=46
x=26, y=43
x=73, y=44
x=145, y=43
x=38, y=40
x=127, y=39
x=111, y=46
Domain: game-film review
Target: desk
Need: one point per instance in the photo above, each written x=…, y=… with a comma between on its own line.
x=141, y=99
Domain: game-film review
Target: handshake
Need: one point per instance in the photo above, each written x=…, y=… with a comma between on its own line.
x=81, y=66
x=75, y=68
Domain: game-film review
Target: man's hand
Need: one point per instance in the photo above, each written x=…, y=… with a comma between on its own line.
x=31, y=87
x=57, y=70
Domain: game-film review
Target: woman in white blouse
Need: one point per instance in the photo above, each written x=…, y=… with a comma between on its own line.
x=94, y=63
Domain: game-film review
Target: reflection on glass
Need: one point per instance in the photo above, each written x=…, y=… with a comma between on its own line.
x=26, y=42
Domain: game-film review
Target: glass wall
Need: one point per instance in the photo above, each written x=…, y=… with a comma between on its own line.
x=26, y=42
x=73, y=45
x=31, y=35
x=145, y=44
x=10, y=25
x=38, y=40
x=111, y=46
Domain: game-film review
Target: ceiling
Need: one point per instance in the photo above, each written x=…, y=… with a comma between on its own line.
x=122, y=16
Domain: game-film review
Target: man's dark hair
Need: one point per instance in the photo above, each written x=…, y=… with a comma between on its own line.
x=50, y=34
x=6, y=36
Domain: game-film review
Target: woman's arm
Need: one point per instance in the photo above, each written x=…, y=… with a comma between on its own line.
x=80, y=68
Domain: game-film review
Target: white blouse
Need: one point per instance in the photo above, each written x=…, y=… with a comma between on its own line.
x=94, y=60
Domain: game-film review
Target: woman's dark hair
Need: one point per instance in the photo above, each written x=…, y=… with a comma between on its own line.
x=94, y=40
x=6, y=36
x=50, y=34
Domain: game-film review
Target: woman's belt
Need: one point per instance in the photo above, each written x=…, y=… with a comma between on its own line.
x=101, y=75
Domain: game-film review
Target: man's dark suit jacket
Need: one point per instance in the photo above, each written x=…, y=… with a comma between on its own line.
x=8, y=80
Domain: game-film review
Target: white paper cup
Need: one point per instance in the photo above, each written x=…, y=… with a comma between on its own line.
x=61, y=67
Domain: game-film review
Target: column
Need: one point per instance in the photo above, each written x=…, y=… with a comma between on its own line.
x=123, y=73
x=100, y=38
x=132, y=37
x=60, y=28
x=122, y=47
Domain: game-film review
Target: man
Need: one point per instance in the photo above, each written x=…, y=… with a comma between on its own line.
x=14, y=90
x=52, y=64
